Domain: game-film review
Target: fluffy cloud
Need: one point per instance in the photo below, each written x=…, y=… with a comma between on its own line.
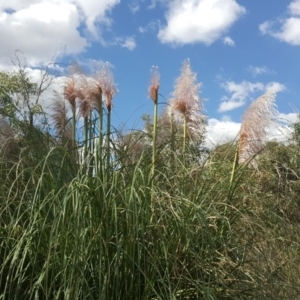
x=255, y=71
x=240, y=92
x=38, y=28
x=154, y=3
x=150, y=27
x=289, y=28
x=280, y=133
x=221, y=131
x=128, y=42
x=134, y=7
x=294, y=7
x=225, y=130
x=202, y=21
x=94, y=12
x=275, y=86
x=16, y=4
x=228, y=41
x=289, y=118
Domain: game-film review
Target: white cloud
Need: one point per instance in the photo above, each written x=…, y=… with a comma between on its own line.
x=283, y=132
x=122, y=41
x=94, y=12
x=240, y=92
x=134, y=8
x=275, y=87
x=150, y=27
x=289, y=30
x=228, y=41
x=225, y=130
x=16, y=4
x=264, y=27
x=154, y=3
x=255, y=71
x=229, y=104
x=279, y=133
x=199, y=21
x=294, y=7
x=38, y=28
x=289, y=118
x=37, y=31
x=221, y=131
x=128, y=42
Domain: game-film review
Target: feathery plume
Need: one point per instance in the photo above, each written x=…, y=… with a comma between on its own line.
x=83, y=93
x=105, y=83
x=70, y=92
x=70, y=85
x=59, y=116
x=185, y=104
x=154, y=84
x=259, y=116
x=94, y=93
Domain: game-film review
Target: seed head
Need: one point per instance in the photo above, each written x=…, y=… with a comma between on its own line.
x=59, y=116
x=154, y=84
x=105, y=83
x=186, y=103
x=70, y=92
x=259, y=116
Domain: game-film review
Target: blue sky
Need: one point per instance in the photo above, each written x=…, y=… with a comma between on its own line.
x=238, y=48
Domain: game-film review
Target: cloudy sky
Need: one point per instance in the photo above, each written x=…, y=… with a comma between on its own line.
x=238, y=48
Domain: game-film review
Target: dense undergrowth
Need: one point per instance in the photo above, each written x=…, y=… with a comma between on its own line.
x=68, y=235
x=146, y=215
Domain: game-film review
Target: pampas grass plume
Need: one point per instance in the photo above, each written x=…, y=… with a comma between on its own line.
x=259, y=116
x=185, y=104
x=154, y=83
x=106, y=84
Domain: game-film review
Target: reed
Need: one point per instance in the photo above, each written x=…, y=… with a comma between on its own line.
x=146, y=231
x=185, y=106
x=257, y=119
x=153, y=93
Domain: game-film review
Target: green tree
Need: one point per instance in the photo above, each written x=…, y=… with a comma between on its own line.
x=296, y=131
x=23, y=122
x=20, y=94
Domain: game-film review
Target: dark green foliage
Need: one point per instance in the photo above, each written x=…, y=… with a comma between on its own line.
x=296, y=132
x=111, y=228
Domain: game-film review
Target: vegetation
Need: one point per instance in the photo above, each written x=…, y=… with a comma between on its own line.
x=86, y=213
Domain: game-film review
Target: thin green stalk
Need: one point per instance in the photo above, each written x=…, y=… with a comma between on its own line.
x=184, y=135
x=74, y=132
x=91, y=144
x=172, y=132
x=234, y=166
x=108, y=142
x=172, y=143
x=100, y=139
x=153, y=92
x=90, y=133
x=153, y=166
x=85, y=141
x=154, y=139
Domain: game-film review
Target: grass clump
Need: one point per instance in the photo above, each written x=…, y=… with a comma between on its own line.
x=149, y=215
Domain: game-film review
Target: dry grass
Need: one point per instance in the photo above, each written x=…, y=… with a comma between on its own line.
x=257, y=119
